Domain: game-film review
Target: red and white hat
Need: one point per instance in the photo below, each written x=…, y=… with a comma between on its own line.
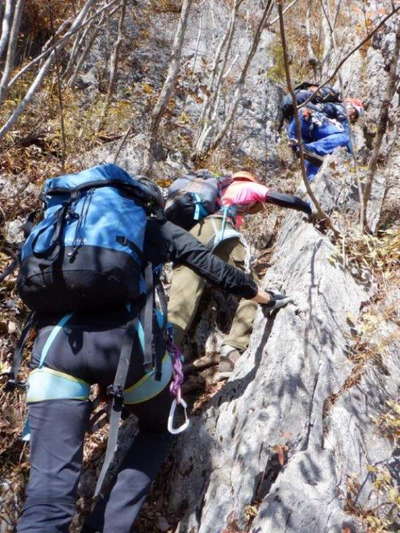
x=356, y=104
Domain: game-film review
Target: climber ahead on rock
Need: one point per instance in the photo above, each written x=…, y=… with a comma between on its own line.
x=325, y=123
x=213, y=209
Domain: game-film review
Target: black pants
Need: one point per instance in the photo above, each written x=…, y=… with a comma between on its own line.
x=88, y=351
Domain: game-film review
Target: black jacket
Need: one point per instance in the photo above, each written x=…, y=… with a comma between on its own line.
x=164, y=241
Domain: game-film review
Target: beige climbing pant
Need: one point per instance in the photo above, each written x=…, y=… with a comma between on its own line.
x=187, y=287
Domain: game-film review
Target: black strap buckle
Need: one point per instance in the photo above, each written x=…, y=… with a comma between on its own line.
x=13, y=384
x=116, y=393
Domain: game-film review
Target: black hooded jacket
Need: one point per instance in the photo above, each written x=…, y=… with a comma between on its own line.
x=164, y=241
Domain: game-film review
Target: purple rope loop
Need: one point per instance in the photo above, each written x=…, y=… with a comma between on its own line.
x=177, y=369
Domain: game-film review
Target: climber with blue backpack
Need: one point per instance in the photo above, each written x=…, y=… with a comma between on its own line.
x=90, y=273
x=213, y=208
x=325, y=123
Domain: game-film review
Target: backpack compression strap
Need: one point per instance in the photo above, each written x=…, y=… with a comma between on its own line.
x=9, y=269
x=13, y=382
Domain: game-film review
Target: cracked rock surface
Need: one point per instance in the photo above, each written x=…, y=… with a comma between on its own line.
x=273, y=438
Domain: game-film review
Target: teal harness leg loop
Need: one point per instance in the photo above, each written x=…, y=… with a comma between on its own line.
x=148, y=387
x=48, y=384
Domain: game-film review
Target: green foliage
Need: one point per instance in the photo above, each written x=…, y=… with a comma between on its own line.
x=277, y=72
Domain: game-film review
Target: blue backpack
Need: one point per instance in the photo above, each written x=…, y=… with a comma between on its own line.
x=86, y=254
x=302, y=93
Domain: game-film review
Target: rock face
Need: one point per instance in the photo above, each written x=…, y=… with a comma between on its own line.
x=254, y=134
x=281, y=440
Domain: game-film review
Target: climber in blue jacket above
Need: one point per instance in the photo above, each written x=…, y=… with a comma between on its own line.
x=325, y=126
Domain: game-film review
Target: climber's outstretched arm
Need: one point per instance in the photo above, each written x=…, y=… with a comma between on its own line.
x=288, y=200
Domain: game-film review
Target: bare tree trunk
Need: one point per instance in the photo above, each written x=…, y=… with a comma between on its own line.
x=240, y=84
x=11, y=49
x=87, y=48
x=312, y=58
x=382, y=125
x=5, y=27
x=113, y=64
x=213, y=90
x=168, y=86
x=320, y=212
x=330, y=27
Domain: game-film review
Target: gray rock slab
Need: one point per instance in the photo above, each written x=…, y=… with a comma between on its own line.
x=297, y=359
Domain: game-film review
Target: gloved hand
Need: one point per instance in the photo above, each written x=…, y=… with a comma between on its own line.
x=294, y=145
x=277, y=301
x=314, y=216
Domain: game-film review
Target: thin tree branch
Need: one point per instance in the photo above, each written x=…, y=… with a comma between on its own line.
x=59, y=93
x=28, y=96
x=41, y=75
x=332, y=36
x=337, y=11
x=217, y=58
x=213, y=92
x=320, y=212
x=5, y=26
x=198, y=36
x=45, y=47
x=76, y=48
x=113, y=64
x=12, y=48
x=243, y=75
x=312, y=58
x=289, y=6
x=168, y=86
x=88, y=47
x=121, y=144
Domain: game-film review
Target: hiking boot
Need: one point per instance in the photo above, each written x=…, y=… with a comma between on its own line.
x=227, y=360
x=88, y=529
x=312, y=157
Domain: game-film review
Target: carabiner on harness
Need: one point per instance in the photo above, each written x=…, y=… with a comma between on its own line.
x=175, y=431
